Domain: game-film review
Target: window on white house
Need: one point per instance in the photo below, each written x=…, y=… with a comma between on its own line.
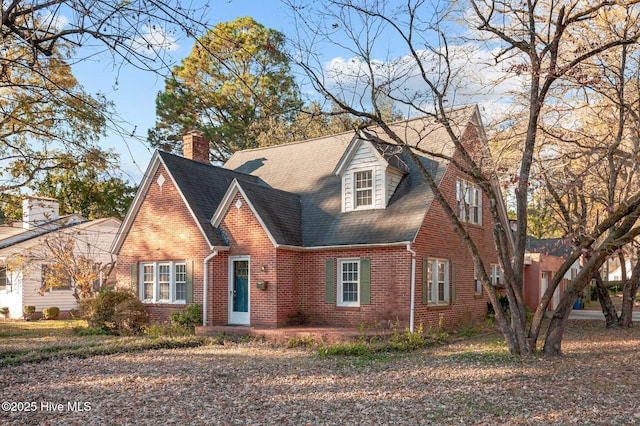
x=496, y=275
x=5, y=281
x=364, y=188
x=438, y=281
x=468, y=202
x=62, y=280
x=477, y=282
x=349, y=282
x=163, y=282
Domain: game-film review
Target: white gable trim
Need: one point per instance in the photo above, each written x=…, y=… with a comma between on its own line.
x=225, y=204
x=139, y=198
x=351, y=150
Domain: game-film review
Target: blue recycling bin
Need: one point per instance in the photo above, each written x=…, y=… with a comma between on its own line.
x=578, y=304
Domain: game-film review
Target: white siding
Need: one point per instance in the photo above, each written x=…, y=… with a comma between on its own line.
x=93, y=240
x=364, y=159
x=13, y=300
x=63, y=299
x=393, y=180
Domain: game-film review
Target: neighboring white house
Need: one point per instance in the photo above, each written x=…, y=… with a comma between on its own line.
x=24, y=253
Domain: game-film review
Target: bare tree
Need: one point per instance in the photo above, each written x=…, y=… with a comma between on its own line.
x=47, y=120
x=535, y=41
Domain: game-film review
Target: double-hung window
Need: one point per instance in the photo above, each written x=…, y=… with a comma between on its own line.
x=477, y=282
x=364, y=188
x=437, y=281
x=349, y=282
x=496, y=275
x=163, y=282
x=5, y=280
x=468, y=202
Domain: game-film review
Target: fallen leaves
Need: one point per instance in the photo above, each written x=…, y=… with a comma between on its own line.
x=468, y=382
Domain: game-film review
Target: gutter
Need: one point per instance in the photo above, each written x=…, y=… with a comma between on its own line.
x=205, y=285
x=342, y=247
x=412, y=305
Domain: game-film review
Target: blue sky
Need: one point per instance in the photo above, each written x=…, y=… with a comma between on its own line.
x=134, y=91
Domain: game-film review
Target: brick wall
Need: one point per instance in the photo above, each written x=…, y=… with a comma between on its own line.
x=295, y=293
x=163, y=230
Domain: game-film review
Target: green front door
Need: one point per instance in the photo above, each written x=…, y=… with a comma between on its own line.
x=239, y=291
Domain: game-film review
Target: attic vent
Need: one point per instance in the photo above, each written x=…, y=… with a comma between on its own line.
x=238, y=204
x=160, y=180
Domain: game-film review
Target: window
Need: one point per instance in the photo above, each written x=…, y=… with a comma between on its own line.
x=164, y=282
x=468, y=202
x=348, y=282
x=5, y=280
x=496, y=275
x=57, y=279
x=438, y=281
x=477, y=282
x=364, y=188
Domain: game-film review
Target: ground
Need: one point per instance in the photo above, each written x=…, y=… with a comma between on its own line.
x=469, y=381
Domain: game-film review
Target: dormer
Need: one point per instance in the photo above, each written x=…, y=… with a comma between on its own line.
x=370, y=172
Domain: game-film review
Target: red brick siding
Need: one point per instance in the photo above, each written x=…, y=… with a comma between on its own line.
x=163, y=230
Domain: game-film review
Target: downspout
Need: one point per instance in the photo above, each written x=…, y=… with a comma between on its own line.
x=205, y=286
x=413, y=288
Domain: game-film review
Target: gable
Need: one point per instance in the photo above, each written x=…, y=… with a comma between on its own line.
x=368, y=177
x=201, y=187
x=277, y=212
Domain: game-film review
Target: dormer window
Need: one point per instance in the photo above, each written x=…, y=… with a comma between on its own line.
x=364, y=188
x=369, y=178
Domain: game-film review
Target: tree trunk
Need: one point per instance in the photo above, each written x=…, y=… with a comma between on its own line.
x=609, y=311
x=629, y=292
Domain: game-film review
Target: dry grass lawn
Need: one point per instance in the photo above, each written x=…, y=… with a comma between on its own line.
x=470, y=381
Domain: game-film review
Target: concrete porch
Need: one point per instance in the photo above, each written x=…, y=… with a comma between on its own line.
x=281, y=335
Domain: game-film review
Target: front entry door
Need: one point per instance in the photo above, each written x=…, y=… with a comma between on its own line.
x=239, y=291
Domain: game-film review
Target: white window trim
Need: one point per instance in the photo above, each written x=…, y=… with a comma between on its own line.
x=477, y=284
x=341, y=301
x=8, y=281
x=468, y=196
x=496, y=275
x=371, y=188
x=432, y=298
x=156, y=282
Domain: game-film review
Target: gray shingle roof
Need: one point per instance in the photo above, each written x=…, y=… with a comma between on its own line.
x=298, y=197
x=306, y=168
x=203, y=187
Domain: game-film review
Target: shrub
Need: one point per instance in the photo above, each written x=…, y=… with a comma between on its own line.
x=51, y=313
x=504, y=301
x=99, y=311
x=4, y=311
x=28, y=311
x=191, y=317
x=130, y=317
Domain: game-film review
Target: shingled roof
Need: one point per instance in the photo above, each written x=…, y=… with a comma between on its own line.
x=306, y=168
x=296, y=195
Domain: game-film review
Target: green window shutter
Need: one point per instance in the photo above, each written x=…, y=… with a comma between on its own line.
x=189, y=281
x=329, y=281
x=135, y=285
x=425, y=285
x=453, y=282
x=365, y=281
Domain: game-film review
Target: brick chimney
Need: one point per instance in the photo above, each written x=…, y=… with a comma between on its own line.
x=196, y=147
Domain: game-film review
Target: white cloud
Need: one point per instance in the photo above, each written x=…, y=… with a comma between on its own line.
x=475, y=78
x=154, y=39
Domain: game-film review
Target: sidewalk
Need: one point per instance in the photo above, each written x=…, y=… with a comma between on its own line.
x=590, y=314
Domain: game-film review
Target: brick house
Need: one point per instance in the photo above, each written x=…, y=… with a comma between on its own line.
x=336, y=231
x=543, y=260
